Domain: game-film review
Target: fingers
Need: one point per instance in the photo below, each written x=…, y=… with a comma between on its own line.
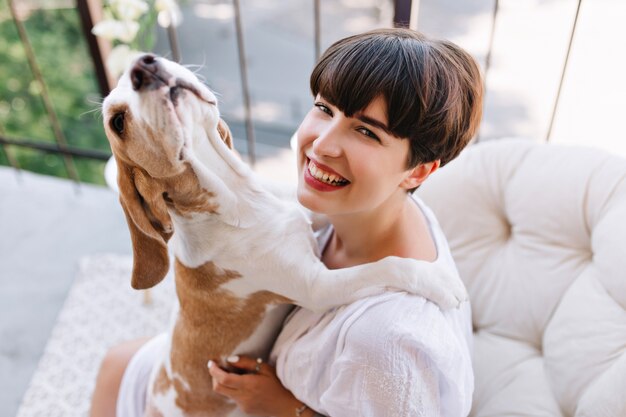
x=223, y=378
x=254, y=393
x=248, y=364
x=225, y=391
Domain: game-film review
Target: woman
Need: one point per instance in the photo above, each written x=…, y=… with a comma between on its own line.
x=390, y=107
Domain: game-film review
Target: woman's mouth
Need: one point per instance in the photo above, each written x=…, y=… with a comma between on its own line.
x=322, y=179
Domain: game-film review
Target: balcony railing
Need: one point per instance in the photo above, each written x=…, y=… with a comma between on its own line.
x=405, y=12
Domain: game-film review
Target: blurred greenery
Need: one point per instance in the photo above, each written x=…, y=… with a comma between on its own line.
x=62, y=55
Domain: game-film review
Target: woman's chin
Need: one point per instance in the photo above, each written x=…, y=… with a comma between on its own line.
x=308, y=199
x=305, y=198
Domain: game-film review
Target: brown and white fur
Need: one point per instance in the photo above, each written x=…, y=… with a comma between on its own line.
x=239, y=250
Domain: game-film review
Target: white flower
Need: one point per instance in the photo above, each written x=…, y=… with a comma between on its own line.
x=165, y=5
x=169, y=13
x=120, y=58
x=129, y=9
x=111, y=29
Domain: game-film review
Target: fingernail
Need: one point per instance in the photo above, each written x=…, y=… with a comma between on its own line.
x=232, y=359
x=209, y=364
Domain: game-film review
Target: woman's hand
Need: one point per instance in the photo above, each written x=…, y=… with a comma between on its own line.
x=259, y=393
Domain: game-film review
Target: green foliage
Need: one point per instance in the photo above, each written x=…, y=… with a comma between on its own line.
x=3, y=157
x=62, y=55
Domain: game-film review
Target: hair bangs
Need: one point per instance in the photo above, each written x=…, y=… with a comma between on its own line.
x=356, y=71
x=353, y=76
x=432, y=89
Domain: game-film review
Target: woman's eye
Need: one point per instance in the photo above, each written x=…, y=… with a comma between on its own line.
x=117, y=123
x=324, y=108
x=368, y=133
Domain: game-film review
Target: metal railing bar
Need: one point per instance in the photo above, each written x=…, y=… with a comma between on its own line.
x=172, y=37
x=317, y=29
x=68, y=151
x=12, y=161
x=402, y=13
x=243, y=70
x=558, y=93
x=494, y=16
x=52, y=117
x=94, y=49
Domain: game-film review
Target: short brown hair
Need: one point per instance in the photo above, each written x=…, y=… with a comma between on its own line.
x=433, y=88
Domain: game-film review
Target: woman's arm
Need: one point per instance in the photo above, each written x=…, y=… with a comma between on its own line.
x=258, y=393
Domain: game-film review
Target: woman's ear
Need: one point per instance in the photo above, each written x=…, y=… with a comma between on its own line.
x=417, y=175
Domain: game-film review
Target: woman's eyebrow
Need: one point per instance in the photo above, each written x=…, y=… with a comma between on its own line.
x=373, y=122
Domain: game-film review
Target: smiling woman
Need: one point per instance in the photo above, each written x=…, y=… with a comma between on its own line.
x=390, y=107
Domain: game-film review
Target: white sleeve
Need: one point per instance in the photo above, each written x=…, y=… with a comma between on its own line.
x=403, y=387
x=394, y=355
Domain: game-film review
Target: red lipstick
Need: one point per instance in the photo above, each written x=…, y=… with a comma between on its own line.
x=317, y=184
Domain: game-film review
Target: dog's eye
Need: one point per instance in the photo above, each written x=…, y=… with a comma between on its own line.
x=117, y=123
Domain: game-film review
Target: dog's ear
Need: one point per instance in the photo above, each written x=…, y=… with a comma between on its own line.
x=149, y=224
x=224, y=131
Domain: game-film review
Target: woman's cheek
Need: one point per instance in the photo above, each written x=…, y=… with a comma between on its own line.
x=305, y=135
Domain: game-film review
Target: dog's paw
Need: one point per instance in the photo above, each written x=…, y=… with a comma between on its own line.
x=436, y=283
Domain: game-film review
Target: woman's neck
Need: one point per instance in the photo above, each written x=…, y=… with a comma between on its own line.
x=397, y=229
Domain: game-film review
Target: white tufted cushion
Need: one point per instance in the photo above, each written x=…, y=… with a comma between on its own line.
x=539, y=236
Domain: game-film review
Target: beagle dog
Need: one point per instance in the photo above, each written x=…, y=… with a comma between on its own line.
x=241, y=255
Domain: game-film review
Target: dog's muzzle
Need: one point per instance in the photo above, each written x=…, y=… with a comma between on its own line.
x=148, y=74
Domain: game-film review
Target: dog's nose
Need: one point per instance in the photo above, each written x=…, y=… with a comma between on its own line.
x=147, y=73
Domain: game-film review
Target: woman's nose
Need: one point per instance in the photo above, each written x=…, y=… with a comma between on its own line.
x=328, y=142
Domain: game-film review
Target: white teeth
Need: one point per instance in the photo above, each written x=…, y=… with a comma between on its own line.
x=313, y=170
x=320, y=175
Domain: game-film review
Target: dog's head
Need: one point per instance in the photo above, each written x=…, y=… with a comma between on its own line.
x=152, y=119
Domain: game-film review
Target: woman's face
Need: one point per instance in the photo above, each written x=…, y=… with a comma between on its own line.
x=348, y=165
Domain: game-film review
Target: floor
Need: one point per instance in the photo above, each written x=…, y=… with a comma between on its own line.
x=48, y=224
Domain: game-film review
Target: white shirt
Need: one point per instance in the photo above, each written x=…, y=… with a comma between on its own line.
x=391, y=355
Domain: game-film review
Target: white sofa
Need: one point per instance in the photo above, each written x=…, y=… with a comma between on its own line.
x=539, y=236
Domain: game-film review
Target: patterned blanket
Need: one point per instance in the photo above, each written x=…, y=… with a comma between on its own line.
x=101, y=310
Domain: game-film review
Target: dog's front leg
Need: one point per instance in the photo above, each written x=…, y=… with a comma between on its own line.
x=331, y=288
